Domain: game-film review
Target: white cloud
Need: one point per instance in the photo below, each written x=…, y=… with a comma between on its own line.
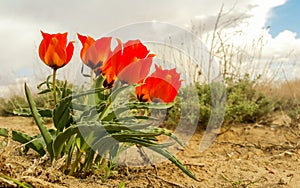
x=21, y=21
x=284, y=43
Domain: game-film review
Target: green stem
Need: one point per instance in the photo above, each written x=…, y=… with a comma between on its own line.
x=105, y=111
x=54, y=86
x=76, y=162
x=92, y=78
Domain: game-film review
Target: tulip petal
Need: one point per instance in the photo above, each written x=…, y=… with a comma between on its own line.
x=62, y=39
x=133, y=50
x=81, y=38
x=136, y=71
x=86, y=42
x=42, y=50
x=98, y=52
x=55, y=55
x=70, y=50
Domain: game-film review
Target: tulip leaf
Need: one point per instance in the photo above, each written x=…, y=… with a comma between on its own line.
x=47, y=83
x=167, y=133
x=61, y=114
x=142, y=105
x=3, y=132
x=15, y=181
x=118, y=91
x=69, y=149
x=39, y=121
x=104, y=145
x=163, y=152
x=62, y=137
x=109, y=126
x=31, y=142
x=45, y=91
x=45, y=112
x=65, y=90
x=26, y=112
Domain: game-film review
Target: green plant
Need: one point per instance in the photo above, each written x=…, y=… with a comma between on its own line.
x=8, y=106
x=66, y=140
x=244, y=102
x=121, y=185
x=240, y=183
x=15, y=181
x=92, y=126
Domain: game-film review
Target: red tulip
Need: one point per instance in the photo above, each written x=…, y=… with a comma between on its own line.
x=107, y=69
x=129, y=62
x=95, y=53
x=54, y=51
x=161, y=85
x=87, y=42
x=132, y=63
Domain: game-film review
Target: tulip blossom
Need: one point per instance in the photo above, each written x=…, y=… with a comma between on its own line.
x=87, y=42
x=161, y=85
x=95, y=53
x=129, y=62
x=54, y=50
x=132, y=63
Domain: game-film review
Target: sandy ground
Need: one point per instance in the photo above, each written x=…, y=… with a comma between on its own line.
x=265, y=154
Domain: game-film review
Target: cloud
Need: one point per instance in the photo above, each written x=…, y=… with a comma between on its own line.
x=283, y=44
x=21, y=21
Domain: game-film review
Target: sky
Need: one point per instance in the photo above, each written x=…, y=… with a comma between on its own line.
x=21, y=22
x=285, y=17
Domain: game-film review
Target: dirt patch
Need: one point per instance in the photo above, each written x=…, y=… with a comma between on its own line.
x=252, y=155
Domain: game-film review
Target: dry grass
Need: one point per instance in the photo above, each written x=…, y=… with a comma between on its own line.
x=283, y=90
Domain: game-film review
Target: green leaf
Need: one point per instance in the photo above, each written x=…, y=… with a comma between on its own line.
x=110, y=126
x=157, y=106
x=164, y=153
x=61, y=114
x=31, y=142
x=174, y=160
x=105, y=144
x=168, y=133
x=45, y=91
x=109, y=141
x=26, y=112
x=121, y=185
x=118, y=91
x=69, y=149
x=19, y=183
x=65, y=90
x=3, y=132
x=47, y=83
x=142, y=105
x=108, y=115
x=88, y=92
x=45, y=112
x=61, y=139
x=39, y=121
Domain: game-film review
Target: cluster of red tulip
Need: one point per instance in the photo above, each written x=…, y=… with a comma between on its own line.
x=128, y=62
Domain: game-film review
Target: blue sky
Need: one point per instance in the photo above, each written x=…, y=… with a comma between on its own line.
x=285, y=17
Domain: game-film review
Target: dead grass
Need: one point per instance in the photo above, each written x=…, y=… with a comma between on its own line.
x=283, y=90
